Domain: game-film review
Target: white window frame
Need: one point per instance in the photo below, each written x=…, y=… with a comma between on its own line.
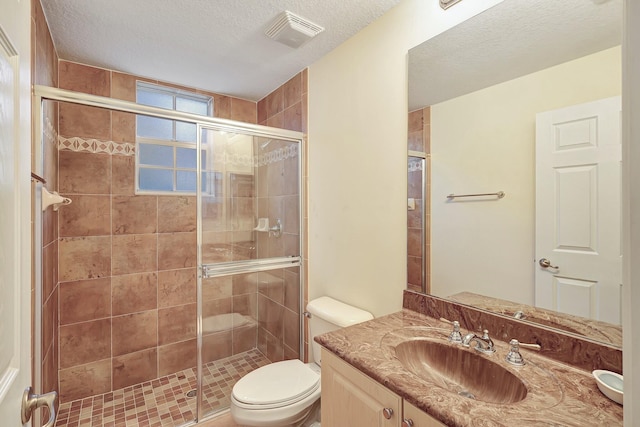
x=175, y=93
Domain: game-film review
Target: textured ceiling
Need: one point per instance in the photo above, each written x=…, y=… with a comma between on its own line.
x=512, y=39
x=217, y=45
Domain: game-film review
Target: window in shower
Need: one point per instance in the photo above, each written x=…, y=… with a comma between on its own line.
x=166, y=149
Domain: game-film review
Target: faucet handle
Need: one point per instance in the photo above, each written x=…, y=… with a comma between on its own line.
x=530, y=346
x=514, y=357
x=455, y=336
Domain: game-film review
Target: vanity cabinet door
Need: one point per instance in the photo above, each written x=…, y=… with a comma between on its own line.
x=352, y=399
x=415, y=417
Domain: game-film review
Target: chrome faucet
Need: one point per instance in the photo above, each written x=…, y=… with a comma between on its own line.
x=484, y=344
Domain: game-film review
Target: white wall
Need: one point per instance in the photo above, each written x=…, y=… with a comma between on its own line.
x=357, y=185
x=485, y=142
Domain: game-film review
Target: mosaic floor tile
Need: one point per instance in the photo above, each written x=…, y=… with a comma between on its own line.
x=162, y=402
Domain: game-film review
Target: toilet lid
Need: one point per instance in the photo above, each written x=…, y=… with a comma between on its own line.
x=279, y=382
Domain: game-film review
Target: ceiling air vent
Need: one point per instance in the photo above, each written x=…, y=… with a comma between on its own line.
x=292, y=30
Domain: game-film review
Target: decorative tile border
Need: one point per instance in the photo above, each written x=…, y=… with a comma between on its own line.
x=276, y=155
x=96, y=146
x=50, y=132
x=259, y=160
x=415, y=165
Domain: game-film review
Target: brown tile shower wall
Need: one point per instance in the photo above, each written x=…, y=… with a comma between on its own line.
x=279, y=290
x=418, y=140
x=278, y=195
x=127, y=263
x=45, y=72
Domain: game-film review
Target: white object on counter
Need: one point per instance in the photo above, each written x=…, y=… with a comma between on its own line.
x=610, y=384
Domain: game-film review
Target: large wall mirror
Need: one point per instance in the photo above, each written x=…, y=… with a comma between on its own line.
x=485, y=90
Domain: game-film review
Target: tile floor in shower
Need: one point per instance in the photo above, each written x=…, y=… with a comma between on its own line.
x=163, y=401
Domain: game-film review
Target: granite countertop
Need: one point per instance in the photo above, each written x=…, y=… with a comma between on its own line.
x=557, y=394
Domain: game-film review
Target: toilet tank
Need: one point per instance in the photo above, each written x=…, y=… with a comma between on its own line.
x=328, y=314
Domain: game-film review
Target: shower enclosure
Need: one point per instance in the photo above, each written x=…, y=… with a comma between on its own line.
x=166, y=299
x=418, y=246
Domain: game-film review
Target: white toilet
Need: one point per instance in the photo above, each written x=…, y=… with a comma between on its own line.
x=287, y=393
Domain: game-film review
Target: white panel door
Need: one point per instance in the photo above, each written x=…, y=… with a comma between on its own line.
x=578, y=216
x=15, y=372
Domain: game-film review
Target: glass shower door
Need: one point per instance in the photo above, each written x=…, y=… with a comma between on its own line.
x=249, y=202
x=418, y=246
x=249, y=256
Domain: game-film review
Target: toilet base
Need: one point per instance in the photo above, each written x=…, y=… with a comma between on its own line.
x=313, y=418
x=305, y=418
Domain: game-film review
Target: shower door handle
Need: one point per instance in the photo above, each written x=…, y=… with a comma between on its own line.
x=31, y=401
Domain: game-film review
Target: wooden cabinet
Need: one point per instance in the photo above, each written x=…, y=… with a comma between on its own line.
x=415, y=417
x=352, y=399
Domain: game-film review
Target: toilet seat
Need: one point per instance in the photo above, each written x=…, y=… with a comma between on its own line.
x=276, y=385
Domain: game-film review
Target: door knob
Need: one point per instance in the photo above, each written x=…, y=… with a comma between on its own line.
x=545, y=263
x=31, y=401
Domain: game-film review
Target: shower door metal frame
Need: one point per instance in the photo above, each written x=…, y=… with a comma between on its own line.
x=255, y=265
x=46, y=93
x=424, y=157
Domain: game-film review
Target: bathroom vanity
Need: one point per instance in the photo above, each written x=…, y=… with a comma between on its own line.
x=351, y=398
x=369, y=379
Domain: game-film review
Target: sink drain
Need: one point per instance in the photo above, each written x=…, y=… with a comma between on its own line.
x=192, y=393
x=467, y=394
